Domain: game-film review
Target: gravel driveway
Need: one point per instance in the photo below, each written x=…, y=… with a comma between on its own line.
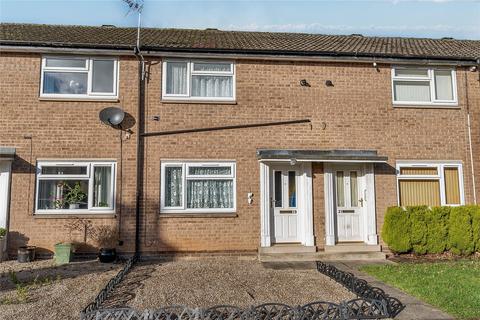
x=224, y=280
x=59, y=292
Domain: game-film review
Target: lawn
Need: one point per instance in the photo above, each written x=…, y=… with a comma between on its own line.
x=452, y=286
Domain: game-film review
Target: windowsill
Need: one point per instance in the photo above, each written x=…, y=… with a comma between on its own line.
x=198, y=215
x=66, y=215
x=80, y=99
x=186, y=101
x=426, y=106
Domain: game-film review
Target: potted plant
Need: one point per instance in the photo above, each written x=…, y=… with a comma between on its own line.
x=74, y=195
x=26, y=254
x=63, y=252
x=3, y=243
x=106, y=238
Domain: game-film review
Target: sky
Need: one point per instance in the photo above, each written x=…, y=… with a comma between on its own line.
x=409, y=18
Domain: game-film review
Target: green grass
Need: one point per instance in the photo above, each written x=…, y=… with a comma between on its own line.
x=452, y=286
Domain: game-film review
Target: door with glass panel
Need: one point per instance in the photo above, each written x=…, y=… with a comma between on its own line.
x=284, y=204
x=349, y=203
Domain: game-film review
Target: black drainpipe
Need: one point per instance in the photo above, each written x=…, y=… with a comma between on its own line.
x=140, y=147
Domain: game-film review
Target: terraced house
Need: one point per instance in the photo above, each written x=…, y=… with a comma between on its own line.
x=243, y=141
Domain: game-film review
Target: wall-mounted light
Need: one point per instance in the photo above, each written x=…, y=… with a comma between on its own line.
x=375, y=65
x=304, y=83
x=329, y=83
x=473, y=68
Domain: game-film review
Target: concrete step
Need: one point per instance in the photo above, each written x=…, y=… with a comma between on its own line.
x=322, y=256
x=353, y=247
x=287, y=248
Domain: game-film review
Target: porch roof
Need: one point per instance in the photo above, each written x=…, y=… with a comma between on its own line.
x=7, y=153
x=321, y=155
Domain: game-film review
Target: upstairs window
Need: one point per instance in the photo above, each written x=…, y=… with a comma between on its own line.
x=424, y=86
x=75, y=187
x=79, y=77
x=198, y=80
x=432, y=184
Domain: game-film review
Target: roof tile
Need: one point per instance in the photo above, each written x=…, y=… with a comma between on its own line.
x=237, y=41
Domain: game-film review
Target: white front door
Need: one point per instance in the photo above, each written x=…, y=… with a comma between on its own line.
x=284, y=204
x=349, y=202
x=4, y=191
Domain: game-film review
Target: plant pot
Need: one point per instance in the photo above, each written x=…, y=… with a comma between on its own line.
x=3, y=249
x=74, y=206
x=26, y=254
x=63, y=253
x=107, y=255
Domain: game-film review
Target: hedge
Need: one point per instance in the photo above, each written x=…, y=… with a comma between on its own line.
x=396, y=230
x=422, y=229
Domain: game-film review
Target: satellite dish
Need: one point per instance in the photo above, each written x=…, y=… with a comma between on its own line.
x=112, y=116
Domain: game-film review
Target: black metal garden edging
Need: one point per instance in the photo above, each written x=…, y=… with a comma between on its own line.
x=373, y=303
x=352, y=309
x=103, y=294
x=361, y=288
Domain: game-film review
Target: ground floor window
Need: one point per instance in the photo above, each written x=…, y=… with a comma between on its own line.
x=75, y=186
x=430, y=183
x=198, y=186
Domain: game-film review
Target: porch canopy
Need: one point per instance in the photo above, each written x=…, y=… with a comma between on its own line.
x=7, y=153
x=321, y=155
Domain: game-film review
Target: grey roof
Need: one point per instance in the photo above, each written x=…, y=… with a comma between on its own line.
x=7, y=152
x=321, y=155
x=67, y=36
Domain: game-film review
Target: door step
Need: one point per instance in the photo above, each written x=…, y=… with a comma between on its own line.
x=287, y=248
x=353, y=247
x=321, y=256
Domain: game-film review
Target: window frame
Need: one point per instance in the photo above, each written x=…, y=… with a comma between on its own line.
x=89, y=176
x=440, y=177
x=87, y=69
x=185, y=177
x=434, y=102
x=190, y=73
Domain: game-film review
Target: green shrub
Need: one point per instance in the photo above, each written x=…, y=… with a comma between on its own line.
x=460, y=238
x=475, y=214
x=437, y=229
x=396, y=230
x=3, y=232
x=418, y=231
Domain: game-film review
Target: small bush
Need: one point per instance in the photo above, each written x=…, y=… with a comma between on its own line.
x=3, y=232
x=475, y=214
x=437, y=229
x=396, y=230
x=460, y=237
x=418, y=232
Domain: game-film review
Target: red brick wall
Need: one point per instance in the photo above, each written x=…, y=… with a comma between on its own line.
x=356, y=113
x=58, y=130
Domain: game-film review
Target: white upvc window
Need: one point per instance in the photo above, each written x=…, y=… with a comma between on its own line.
x=424, y=86
x=77, y=187
x=198, y=187
x=432, y=183
x=77, y=77
x=198, y=80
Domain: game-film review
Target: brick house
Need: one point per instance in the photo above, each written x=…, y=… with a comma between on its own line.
x=247, y=140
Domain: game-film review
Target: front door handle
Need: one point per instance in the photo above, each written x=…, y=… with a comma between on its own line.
x=361, y=202
x=272, y=202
